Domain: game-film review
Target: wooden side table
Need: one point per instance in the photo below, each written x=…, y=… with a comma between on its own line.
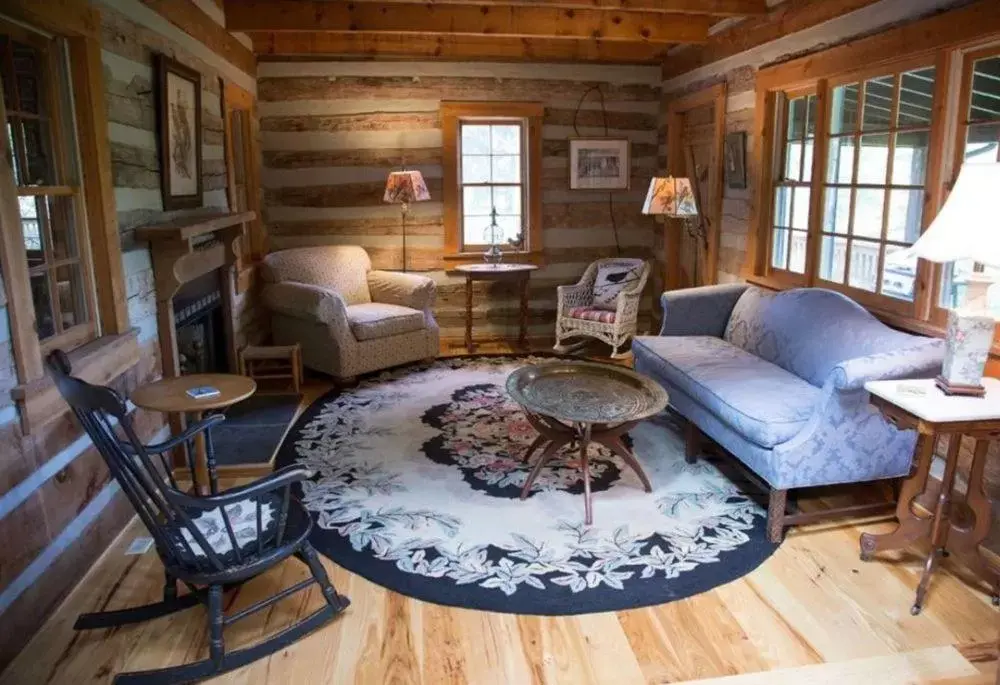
x=952, y=523
x=496, y=272
x=169, y=395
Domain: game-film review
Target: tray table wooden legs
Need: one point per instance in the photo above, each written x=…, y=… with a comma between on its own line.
x=553, y=435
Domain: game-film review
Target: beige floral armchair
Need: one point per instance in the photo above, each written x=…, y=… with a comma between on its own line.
x=348, y=318
x=577, y=313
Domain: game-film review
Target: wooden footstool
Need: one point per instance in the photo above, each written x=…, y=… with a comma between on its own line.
x=273, y=362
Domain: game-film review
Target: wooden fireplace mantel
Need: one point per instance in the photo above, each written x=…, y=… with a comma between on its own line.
x=184, y=249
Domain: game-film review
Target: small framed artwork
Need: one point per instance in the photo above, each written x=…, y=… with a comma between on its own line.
x=599, y=164
x=180, y=134
x=736, y=160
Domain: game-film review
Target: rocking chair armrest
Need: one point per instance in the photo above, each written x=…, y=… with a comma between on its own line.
x=282, y=478
x=180, y=439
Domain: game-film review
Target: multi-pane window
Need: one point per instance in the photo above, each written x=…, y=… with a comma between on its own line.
x=874, y=182
x=792, y=186
x=980, y=143
x=39, y=137
x=492, y=178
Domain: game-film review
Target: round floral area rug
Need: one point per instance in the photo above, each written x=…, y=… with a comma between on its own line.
x=418, y=477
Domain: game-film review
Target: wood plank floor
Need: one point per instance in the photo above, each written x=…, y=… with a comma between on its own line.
x=813, y=613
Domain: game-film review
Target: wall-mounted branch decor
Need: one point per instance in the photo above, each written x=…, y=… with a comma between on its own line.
x=179, y=108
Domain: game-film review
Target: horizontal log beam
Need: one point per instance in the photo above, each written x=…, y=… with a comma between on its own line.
x=717, y=8
x=323, y=43
x=786, y=19
x=188, y=17
x=499, y=20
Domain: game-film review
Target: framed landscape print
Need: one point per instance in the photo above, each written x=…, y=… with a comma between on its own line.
x=599, y=164
x=180, y=134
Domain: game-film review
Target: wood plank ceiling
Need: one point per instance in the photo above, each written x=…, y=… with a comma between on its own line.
x=610, y=31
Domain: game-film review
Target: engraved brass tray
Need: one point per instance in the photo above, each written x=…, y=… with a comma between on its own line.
x=586, y=392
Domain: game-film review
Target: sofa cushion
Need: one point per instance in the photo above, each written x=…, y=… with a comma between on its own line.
x=756, y=398
x=380, y=320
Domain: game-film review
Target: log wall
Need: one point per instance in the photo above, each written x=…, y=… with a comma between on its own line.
x=331, y=132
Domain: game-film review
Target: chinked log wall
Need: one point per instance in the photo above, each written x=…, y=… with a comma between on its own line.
x=331, y=131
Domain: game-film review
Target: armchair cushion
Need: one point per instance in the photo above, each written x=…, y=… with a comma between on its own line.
x=612, y=278
x=760, y=400
x=406, y=290
x=379, y=320
x=243, y=518
x=591, y=314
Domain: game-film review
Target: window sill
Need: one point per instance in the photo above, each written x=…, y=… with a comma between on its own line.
x=536, y=257
x=98, y=362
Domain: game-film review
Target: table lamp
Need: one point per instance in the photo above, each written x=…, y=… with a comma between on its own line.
x=674, y=198
x=966, y=228
x=405, y=187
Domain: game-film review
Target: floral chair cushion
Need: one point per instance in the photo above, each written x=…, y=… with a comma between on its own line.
x=379, y=320
x=611, y=280
x=591, y=314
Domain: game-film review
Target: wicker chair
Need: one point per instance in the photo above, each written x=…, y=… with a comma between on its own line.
x=577, y=317
x=205, y=543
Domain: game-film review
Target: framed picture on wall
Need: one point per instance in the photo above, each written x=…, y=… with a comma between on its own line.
x=599, y=164
x=736, y=158
x=179, y=107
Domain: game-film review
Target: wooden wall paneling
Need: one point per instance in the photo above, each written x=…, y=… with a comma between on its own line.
x=761, y=160
x=66, y=17
x=450, y=47
x=316, y=15
x=187, y=16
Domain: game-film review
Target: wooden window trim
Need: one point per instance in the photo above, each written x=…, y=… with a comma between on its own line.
x=937, y=40
x=79, y=24
x=451, y=115
x=254, y=238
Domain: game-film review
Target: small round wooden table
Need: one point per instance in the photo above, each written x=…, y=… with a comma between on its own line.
x=169, y=395
x=583, y=402
x=496, y=272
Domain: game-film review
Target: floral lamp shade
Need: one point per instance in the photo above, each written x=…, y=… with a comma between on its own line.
x=673, y=197
x=405, y=187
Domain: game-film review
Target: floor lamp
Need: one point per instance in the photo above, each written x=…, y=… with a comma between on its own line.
x=674, y=198
x=404, y=187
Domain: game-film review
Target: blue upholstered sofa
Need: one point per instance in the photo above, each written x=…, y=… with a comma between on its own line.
x=777, y=379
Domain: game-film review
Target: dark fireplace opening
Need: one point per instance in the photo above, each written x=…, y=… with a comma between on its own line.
x=201, y=332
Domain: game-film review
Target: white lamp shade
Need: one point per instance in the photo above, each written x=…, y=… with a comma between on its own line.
x=673, y=197
x=968, y=226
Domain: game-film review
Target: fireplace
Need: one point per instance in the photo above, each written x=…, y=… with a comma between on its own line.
x=200, y=326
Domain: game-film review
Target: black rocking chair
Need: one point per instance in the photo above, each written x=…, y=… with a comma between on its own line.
x=206, y=543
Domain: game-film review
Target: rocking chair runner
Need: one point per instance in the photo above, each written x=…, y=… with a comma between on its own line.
x=206, y=543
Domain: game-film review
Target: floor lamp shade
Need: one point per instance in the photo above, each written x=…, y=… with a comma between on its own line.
x=967, y=227
x=404, y=187
x=673, y=197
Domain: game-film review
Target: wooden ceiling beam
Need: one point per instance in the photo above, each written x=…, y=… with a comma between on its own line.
x=790, y=17
x=715, y=8
x=482, y=20
x=372, y=45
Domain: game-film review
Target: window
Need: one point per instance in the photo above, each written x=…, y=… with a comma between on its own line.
x=492, y=168
x=979, y=141
x=848, y=183
x=793, y=184
x=40, y=140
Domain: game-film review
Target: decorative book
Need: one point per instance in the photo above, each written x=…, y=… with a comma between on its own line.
x=203, y=392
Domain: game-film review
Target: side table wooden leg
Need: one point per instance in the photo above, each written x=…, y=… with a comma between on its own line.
x=969, y=536
x=618, y=447
x=909, y=526
x=522, y=338
x=546, y=454
x=199, y=472
x=941, y=523
x=468, y=312
x=535, y=444
x=585, y=465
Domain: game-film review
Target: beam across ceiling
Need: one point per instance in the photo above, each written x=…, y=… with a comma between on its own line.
x=789, y=17
x=715, y=8
x=482, y=20
x=324, y=43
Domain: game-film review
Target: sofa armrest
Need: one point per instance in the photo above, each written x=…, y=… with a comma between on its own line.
x=406, y=290
x=305, y=301
x=699, y=311
x=923, y=361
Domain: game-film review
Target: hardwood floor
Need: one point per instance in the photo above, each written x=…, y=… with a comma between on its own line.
x=813, y=613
